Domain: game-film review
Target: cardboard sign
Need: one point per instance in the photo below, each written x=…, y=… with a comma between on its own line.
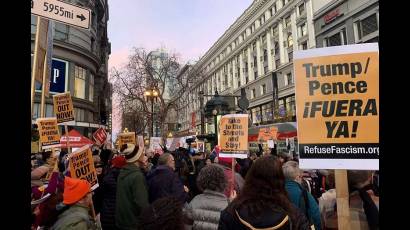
x=337, y=99
x=234, y=135
x=48, y=131
x=100, y=136
x=82, y=166
x=63, y=107
x=266, y=134
x=125, y=138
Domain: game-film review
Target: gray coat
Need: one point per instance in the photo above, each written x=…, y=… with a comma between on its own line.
x=205, y=210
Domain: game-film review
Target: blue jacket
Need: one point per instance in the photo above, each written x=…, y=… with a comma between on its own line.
x=163, y=182
x=295, y=195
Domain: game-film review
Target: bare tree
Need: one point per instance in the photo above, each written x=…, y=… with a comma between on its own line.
x=145, y=70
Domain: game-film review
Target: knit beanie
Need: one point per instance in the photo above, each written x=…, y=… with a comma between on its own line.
x=75, y=190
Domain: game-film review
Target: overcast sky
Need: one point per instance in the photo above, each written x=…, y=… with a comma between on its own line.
x=188, y=27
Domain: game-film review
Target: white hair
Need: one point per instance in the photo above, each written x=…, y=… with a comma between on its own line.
x=291, y=170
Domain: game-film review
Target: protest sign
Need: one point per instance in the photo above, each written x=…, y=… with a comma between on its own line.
x=63, y=107
x=154, y=144
x=271, y=144
x=234, y=135
x=48, y=131
x=126, y=138
x=337, y=100
x=82, y=166
x=200, y=146
x=266, y=134
x=100, y=136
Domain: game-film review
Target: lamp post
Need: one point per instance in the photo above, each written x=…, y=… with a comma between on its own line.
x=152, y=94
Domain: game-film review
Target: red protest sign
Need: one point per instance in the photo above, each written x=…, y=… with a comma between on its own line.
x=100, y=136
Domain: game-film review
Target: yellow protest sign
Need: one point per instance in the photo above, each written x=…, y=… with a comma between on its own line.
x=125, y=138
x=337, y=100
x=48, y=131
x=63, y=107
x=82, y=166
x=234, y=135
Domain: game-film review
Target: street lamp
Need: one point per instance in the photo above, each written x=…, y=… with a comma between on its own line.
x=152, y=94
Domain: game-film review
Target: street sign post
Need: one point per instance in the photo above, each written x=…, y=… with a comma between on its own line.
x=62, y=12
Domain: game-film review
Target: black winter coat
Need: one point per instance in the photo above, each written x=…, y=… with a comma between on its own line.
x=109, y=190
x=268, y=219
x=163, y=182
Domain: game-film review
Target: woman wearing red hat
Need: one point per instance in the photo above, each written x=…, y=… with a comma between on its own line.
x=77, y=196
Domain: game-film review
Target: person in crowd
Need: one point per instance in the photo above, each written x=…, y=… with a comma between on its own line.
x=363, y=204
x=206, y=208
x=109, y=190
x=226, y=164
x=98, y=193
x=163, y=182
x=77, y=198
x=263, y=201
x=299, y=196
x=146, y=166
x=208, y=161
x=164, y=214
x=246, y=164
x=132, y=192
x=38, y=174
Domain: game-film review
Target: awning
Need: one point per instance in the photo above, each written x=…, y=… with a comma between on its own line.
x=76, y=139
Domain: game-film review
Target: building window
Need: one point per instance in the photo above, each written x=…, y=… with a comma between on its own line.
x=275, y=31
x=255, y=74
x=301, y=9
x=288, y=79
x=277, y=62
x=246, y=80
x=276, y=45
x=79, y=114
x=256, y=115
x=287, y=22
x=304, y=46
x=263, y=89
x=265, y=55
x=290, y=106
x=253, y=93
x=337, y=39
x=265, y=69
x=79, y=82
x=289, y=40
x=366, y=26
x=91, y=90
x=262, y=19
x=302, y=30
x=283, y=3
x=267, y=112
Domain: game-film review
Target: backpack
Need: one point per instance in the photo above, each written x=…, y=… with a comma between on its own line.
x=305, y=206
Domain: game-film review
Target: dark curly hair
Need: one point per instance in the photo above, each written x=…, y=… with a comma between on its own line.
x=164, y=214
x=212, y=177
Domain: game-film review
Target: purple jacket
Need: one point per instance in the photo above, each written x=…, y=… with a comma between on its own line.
x=163, y=182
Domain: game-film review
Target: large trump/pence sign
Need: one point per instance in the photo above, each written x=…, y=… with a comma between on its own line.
x=337, y=99
x=48, y=131
x=63, y=107
x=234, y=136
x=82, y=166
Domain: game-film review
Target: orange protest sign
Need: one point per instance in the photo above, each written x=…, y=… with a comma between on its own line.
x=82, y=166
x=125, y=138
x=48, y=131
x=63, y=107
x=234, y=135
x=266, y=134
x=337, y=100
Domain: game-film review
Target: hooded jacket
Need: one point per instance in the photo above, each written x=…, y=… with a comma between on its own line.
x=163, y=182
x=205, y=209
x=269, y=219
x=76, y=217
x=131, y=197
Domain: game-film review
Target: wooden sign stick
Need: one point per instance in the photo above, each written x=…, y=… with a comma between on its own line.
x=342, y=198
x=68, y=139
x=233, y=173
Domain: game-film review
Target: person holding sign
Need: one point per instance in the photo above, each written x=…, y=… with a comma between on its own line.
x=263, y=201
x=132, y=192
x=77, y=196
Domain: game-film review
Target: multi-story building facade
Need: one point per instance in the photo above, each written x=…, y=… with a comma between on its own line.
x=259, y=43
x=80, y=66
x=342, y=22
